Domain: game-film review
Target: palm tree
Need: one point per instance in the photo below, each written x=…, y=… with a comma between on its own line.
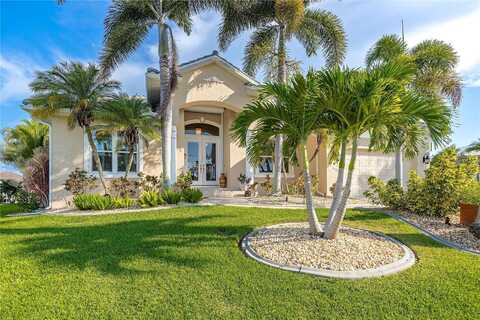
x=275, y=22
x=282, y=109
x=435, y=74
x=127, y=24
x=21, y=141
x=474, y=146
x=131, y=116
x=76, y=87
x=391, y=115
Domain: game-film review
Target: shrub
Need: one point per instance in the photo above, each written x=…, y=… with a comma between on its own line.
x=8, y=188
x=267, y=185
x=150, y=199
x=471, y=195
x=184, y=181
x=298, y=186
x=149, y=183
x=80, y=182
x=92, y=202
x=35, y=175
x=390, y=194
x=122, y=187
x=123, y=202
x=28, y=200
x=446, y=181
x=171, y=197
x=192, y=195
x=414, y=198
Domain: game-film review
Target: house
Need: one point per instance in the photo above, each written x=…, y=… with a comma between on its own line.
x=210, y=93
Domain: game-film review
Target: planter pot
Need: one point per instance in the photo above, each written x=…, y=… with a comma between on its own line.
x=468, y=213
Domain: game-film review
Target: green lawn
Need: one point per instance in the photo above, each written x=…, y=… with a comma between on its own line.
x=185, y=263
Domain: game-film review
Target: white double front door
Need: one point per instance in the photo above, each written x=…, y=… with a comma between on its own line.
x=203, y=159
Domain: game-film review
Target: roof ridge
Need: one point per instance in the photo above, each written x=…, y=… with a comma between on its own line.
x=213, y=54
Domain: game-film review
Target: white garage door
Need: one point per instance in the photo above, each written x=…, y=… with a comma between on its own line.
x=369, y=164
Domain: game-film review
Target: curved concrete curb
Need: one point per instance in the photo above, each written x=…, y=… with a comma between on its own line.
x=431, y=235
x=406, y=262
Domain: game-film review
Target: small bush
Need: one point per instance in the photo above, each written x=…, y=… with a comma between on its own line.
x=267, y=185
x=184, y=181
x=28, y=200
x=192, y=195
x=93, y=202
x=79, y=182
x=150, y=199
x=390, y=194
x=471, y=195
x=171, y=197
x=448, y=180
x=122, y=187
x=150, y=183
x=298, y=186
x=123, y=202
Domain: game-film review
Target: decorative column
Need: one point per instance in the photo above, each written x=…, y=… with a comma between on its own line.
x=173, y=165
x=249, y=169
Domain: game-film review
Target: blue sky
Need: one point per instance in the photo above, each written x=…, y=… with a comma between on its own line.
x=34, y=35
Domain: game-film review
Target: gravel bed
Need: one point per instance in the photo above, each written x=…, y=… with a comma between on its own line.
x=456, y=232
x=291, y=244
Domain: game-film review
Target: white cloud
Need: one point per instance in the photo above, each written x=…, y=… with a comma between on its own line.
x=189, y=45
x=462, y=34
x=15, y=76
x=132, y=77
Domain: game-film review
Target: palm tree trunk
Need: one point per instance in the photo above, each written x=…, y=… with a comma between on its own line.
x=281, y=78
x=315, y=227
x=399, y=166
x=165, y=108
x=96, y=157
x=130, y=160
x=331, y=230
x=337, y=194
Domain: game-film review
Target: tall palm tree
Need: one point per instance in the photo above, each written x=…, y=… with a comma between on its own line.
x=290, y=113
x=435, y=74
x=127, y=24
x=21, y=141
x=380, y=105
x=76, y=87
x=275, y=23
x=130, y=116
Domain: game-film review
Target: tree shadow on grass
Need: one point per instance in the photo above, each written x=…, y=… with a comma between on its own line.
x=112, y=247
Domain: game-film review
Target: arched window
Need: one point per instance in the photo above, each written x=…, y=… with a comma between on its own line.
x=203, y=129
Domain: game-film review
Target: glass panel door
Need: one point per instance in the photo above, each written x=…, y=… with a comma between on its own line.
x=193, y=159
x=210, y=162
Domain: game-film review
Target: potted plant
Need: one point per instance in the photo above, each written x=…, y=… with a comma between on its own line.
x=469, y=205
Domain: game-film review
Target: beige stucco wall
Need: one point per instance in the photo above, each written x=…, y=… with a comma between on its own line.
x=66, y=155
x=68, y=149
x=212, y=94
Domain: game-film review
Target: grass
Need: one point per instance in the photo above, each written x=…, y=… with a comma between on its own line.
x=8, y=208
x=185, y=263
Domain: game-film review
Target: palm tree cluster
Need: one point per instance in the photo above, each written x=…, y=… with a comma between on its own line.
x=93, y=104
x=347, y=103
x=274, y=24
x=435, y=74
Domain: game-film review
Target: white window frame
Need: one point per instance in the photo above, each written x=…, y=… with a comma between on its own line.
x=88, y=164
x=259, y=174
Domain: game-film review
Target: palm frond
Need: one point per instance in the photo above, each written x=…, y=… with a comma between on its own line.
x=323, y=30
x=387, y=48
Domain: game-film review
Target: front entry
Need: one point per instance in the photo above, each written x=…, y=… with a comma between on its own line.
x=203, y=150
